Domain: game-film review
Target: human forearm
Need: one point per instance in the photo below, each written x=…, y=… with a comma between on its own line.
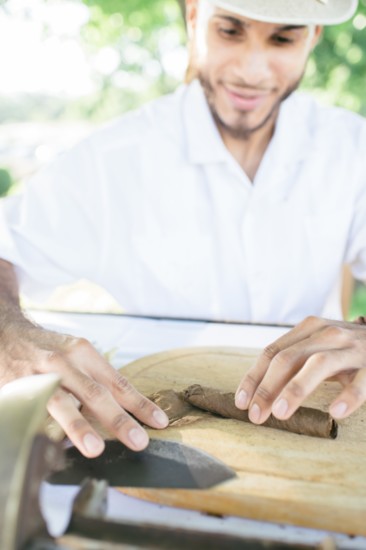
x=11, y=314
x=9, y=290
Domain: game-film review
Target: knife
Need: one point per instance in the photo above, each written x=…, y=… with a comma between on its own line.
x=163, y=464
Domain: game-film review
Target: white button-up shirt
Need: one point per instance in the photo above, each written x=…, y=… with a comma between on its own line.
x=154, y=208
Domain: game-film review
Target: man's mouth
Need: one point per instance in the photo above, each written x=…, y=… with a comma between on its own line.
x=246, y=99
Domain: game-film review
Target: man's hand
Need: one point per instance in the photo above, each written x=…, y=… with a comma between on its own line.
x=289, y=369
x=86, y=377
x=26, y=349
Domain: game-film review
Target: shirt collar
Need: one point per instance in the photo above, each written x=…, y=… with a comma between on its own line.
x=291, y=142
x=204, y=143
x=293, y=135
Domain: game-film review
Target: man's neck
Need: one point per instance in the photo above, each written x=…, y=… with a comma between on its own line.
x=249, y=152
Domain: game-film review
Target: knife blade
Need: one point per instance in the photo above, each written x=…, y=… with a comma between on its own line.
x=163, y=464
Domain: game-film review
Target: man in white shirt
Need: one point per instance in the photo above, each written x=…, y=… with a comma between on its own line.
x=232, y=199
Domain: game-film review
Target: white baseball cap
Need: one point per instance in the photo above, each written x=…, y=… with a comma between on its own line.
x=297, y=12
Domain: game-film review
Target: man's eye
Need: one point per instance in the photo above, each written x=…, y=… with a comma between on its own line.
x=229, y=32
x=282, y=39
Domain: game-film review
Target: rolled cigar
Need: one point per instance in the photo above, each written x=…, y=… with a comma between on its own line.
x=305, y=421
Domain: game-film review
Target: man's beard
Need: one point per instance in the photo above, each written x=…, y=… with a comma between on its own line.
x=241, y=131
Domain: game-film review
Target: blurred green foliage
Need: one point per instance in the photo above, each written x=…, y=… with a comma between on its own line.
x=358, y=304
x=141, y=32
x=6, y=181
x=337, y=69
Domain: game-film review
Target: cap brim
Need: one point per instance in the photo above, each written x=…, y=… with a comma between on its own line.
x=297, y=12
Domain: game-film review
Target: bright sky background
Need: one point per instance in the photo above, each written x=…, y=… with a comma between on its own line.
x=40, y=51
x=32, y=60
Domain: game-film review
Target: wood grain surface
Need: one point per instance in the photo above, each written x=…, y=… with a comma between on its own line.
x=282, y=477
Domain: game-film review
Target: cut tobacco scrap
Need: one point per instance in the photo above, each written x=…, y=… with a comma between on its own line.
x=179, y=411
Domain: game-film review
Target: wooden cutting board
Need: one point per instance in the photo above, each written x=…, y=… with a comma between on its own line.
x=282, y=477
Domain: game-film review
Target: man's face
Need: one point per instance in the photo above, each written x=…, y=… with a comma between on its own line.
x=247, y=67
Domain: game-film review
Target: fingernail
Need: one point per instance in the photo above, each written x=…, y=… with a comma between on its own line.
x=138, y=438
x=254, y=413
x=280, y=408
x=161, y=418
x=339, y=409
x=241, y=400
x=93, y=444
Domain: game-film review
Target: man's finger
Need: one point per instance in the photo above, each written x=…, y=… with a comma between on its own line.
x=319, y=367
x=96, y=397
x=299, y=358
x=352, y=396
x=253, y=378
x=283, y=367
x=99, y=400
x=97, y=367
x=63, y=408
x=136, y=403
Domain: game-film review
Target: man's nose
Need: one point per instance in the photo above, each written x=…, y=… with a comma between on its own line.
x=253, y=65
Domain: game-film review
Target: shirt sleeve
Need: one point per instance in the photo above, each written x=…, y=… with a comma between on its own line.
x=51, y=232
x=356, y=248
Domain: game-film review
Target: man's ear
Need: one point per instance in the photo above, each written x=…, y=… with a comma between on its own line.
x=318, y=31
x=191, y=16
